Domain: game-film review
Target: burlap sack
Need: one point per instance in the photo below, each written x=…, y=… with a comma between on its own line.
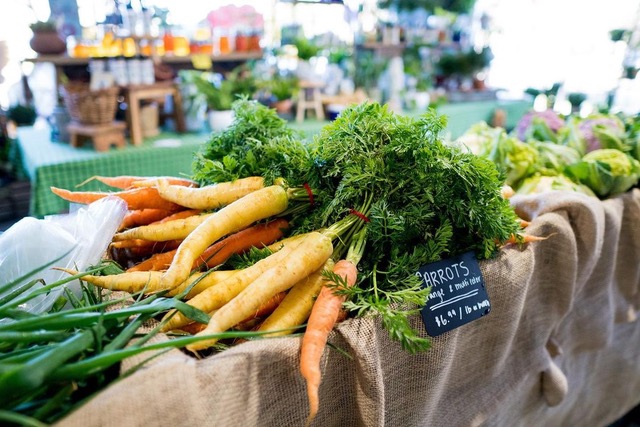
x=559, y=348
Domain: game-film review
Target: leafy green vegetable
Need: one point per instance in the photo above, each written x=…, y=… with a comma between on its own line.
x=537, y=184
x=429, y=200
x=51, y=363
x=513, y=157
x=258, y=143
x=552, y=158
x=606, y=171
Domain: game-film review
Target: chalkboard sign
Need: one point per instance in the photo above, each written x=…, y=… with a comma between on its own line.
x=457, y=296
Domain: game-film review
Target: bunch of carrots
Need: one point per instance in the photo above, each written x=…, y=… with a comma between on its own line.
x=187, y=233
x=377, y=197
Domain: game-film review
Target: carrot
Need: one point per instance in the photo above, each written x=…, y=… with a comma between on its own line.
x=139, y=243
x=179, y=215
x=507, y=192
x=524, y=224
x=204, y=281
x=295, y=308
x=149, y=281
x=216, y=254
x=211, y=196
x=139, y=217
x=312, y=252
x=257, y=236
x=127, y=282
x=137, y=198
x=157, y=247
x=323, y=317
x=524, y=238
x=264, y=310
x=158, y=232
x=127, y=181
x=216, y=296
x=153, y=181
x=267, y=307
x=260, y=204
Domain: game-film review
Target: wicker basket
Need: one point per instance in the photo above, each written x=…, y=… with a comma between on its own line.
x=90, y=107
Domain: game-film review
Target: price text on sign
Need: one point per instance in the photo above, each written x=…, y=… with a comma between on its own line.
x=457, y=295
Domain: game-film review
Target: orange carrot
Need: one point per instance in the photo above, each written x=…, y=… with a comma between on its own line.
x=157, y=247
x=139, y=217
x=257, y=235
x=524, y=224
x=132, y=243
x=137, y=198
x=524, y=238
x=322, y=319
x=127, y=181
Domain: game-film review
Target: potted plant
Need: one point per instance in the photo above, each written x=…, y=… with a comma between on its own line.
x=46, y=40
x=282, y=90
x=194, y=103
x=220, y=92
x=22, y=115
x=307, y=51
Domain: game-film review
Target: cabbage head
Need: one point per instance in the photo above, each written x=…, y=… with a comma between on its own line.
x=606, y=171
x=514, y=158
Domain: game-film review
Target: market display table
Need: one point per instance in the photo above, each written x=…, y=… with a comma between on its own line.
x=559, y=348
x=48, y=163
x=57, y=164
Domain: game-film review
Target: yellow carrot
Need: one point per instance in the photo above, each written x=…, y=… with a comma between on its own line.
x=211, y=278
x=211, y=196
x=127, y=282
x=311, y=254
x=216, y=296
x=260, y=204
x=295, y=308
x=159, y=232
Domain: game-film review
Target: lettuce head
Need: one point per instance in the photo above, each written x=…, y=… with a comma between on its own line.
x=606, y=171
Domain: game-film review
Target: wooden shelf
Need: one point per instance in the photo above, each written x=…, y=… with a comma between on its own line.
x=64, y=60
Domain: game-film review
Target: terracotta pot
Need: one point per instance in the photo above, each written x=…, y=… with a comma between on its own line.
x=284, y=106
x=47, y=43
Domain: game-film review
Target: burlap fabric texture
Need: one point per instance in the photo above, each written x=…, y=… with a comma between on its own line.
x=561, y=347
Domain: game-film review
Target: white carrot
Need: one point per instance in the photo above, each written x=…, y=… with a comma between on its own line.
x=216, y=296
x=211, y=196
x=309, y=256
x=295, y=308
x=260, y=204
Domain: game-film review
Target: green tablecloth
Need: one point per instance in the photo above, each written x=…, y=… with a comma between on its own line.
x=462, y=115
x=48, y=163
x=55, y=164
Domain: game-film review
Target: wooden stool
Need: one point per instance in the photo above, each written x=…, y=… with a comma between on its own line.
x=133, y=94
x=310, y=99
x=103, y=136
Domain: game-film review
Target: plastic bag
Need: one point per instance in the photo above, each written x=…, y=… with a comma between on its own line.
x=79, y=239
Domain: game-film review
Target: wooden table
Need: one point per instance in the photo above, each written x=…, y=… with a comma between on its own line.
x=134, y=94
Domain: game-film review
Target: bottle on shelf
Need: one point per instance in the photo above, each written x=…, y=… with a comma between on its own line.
x=168, y=41
x=147, y=70
x=134, y=70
